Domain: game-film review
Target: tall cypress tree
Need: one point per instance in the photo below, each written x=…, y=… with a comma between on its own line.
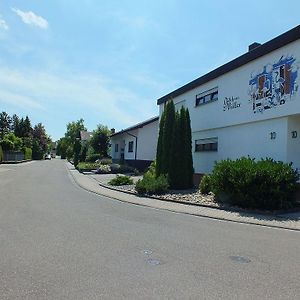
x=175, y=159
x=159, y=150
x=174, y=147
x=182, y=148
x=188, y=151
x=168, y=137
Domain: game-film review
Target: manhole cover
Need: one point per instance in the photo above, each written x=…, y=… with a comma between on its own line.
x=240, y=259
x=153, y=262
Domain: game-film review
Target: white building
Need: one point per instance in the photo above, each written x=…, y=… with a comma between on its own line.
x=136, y=145
x=249, y=106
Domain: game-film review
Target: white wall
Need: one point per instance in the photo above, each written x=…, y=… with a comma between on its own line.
x=147, y=141
x=242, y=130
x=293, y=144
x=251, y=139
x=116, y=140
x=236, y=84
x=129, y=138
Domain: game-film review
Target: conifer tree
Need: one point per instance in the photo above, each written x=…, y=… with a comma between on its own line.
x=5, y=122
x=188, y=151
x=174, y=149
x=174, y=158
x=159, y=150
x=167, y=139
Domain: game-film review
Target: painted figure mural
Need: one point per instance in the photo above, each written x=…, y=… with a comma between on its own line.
x=275, y=85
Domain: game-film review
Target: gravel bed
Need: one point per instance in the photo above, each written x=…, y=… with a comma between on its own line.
x=191, y=195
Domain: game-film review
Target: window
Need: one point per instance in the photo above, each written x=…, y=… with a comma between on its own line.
x=208, y=96
x=116, y=147
x=130, y=146
x=210, y=144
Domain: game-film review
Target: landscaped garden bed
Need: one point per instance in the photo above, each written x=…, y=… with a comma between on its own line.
x=243, y=184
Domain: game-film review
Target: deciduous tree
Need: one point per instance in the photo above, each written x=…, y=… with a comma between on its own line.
x=100, y=140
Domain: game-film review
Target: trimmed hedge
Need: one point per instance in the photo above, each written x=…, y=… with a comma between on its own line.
x=86, y=166
x=27, y=153
x=265, y=184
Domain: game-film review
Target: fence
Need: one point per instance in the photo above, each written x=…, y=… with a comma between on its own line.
x=13, y=156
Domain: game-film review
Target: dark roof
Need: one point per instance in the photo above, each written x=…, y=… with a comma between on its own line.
x=139, y=125
x=278, y=42
x=85, y=135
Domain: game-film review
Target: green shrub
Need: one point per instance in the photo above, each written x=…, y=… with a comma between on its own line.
x=123, y=169
x=106, y=161
x=93, y=157
x=126, y=169
x=136, y=172
x=121, y=180
x=115, y=168
x=151, y=185
x=27, y=153
x=1, y=154
x=7, y=145
x=103, y=169
x=152, y=168
x=205, y=185
x=84, y=166
x=266, y=184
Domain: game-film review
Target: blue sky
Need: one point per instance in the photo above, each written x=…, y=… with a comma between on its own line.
x=108, y=61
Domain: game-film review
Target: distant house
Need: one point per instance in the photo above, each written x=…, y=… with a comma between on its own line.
x=136, y=145
x=85, y=136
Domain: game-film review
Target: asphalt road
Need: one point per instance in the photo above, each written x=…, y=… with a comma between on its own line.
x=58, y=241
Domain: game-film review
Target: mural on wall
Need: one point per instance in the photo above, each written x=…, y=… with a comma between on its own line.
x=275, y=85
x=231, y=103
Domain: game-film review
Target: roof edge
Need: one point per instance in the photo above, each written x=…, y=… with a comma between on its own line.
x=277, y=42
x=139, y=125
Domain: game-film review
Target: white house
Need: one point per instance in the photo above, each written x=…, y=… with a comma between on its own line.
x=249, y=106
x=136, y=145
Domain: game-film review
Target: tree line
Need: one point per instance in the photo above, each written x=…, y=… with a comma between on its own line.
x=17, y=134
x=71, y=147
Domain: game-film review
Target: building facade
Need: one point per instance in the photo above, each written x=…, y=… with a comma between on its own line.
x=136, y=145
x=247, y=107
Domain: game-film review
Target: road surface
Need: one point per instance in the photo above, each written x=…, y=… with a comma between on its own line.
x=58, y=241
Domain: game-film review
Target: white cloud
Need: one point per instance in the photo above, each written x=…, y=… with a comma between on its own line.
x=66, y=94
x=31, y=18
x=18, y=100
x=3, y=24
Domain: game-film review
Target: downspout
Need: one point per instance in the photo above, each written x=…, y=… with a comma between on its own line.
x=135, y=143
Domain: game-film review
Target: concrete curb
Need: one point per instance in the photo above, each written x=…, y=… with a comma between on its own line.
x=13, y=162
x=219, y=216
x=275, y=214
